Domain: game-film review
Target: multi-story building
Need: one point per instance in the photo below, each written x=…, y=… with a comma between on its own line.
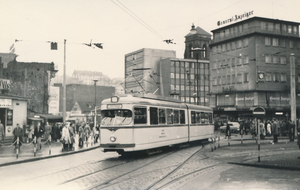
x=141, y=68
x=160, y=72
x=250, y=66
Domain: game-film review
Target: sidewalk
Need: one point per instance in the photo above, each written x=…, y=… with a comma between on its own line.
x=281, y=155
x=8, y=154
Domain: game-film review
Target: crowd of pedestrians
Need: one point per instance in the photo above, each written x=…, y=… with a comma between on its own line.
x=55, y=132
x=265, y=127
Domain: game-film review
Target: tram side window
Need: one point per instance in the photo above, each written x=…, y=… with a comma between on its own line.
x=210, y=117
x=198, y=117
x=170, y=116
x=176, y=116
x=162, y=116
x=182, y=117
x=204, y=118
x=140, y=115
x=153, y=116
x=193, y=117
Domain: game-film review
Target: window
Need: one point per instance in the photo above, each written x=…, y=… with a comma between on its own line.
x=283, y=77
x=268, y=58
x=219, y=49
x=176, y=116
x=226, y=32
x=295, y=29
x=282, y=59
x=289, y=29
x=172, y=75
x=268, y=77
x=245, y=26
x=162, y=116
x=233, y=62
x=240, y=28
x=223, y=80
x=140, y=115
x=270, y=26
x=170, y=116
x=267, y=41
x=228, y=47
x=239, y=78
x=275, y=59
x=277, y=27
x=263, y=25
x=232, y=45
x=233, y=79
x=198, y=117
x=223, y=48
x=276, y=77
x=291, y=44
x=193, y=117
x=228, y=79
x=153, y=116
x=246, y=59
x=246, y=78
x=219, y=80
x=239, y=44
x=284, y=28
x=245, y=42
x=275, y=42
x=282, y=42
x=182, y=117
x=239, y=61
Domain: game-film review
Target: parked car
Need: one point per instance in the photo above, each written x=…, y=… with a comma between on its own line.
x=234, y=127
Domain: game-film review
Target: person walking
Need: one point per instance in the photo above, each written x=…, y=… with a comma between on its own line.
x=38, y=133
x=227, y=130
x=18, y=132
x=1, y=132
x=30, y=132
x=48, y=130
x=87, y=132
x=291, y=130
x=269, y=126
x=96, y=133
x=65, y=137
x=80, y=136
x=275, y=130
x=72, y=138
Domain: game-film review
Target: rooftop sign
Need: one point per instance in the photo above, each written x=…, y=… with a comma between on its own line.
x=235, y=18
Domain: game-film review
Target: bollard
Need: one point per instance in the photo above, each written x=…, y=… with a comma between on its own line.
x=219, y=141
x=211, y=144
x=215, y=139
x=34, y=148
x=228, y=140
x=50, y=145
x=241, y=138
x=17, y=148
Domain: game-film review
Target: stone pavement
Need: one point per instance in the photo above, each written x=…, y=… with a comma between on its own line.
x=8, y=154
x=281, y=155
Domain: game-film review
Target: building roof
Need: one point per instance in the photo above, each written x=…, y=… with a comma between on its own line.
x=86, y=106
x=255, y=18
x=197, y=30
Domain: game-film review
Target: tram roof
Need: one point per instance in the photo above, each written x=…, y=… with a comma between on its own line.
x=150, y=99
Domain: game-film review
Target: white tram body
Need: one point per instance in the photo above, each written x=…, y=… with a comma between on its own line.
x=136, y=122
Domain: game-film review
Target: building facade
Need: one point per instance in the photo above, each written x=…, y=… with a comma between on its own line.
x=250, y=66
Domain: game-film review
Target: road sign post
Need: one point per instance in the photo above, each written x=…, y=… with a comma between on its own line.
x=258, y=113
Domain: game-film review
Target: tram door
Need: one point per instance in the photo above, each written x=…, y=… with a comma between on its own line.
x=2, y=118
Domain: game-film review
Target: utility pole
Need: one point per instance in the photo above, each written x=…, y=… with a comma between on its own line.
x=293, y=90
x=95, y=118
x=64, y=85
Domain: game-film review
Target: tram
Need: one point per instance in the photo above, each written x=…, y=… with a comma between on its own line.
x=143, y=122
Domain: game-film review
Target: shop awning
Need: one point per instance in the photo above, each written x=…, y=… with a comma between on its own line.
x=47, y=117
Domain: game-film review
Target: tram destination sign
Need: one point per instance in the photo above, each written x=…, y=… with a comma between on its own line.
x=259, y=112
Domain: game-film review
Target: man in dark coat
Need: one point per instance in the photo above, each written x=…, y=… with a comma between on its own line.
x=38, y=133
x=18, y=132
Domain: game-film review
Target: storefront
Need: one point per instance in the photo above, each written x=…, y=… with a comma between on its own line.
x=13, y=111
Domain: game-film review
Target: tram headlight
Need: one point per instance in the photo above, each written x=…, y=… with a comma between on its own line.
x=113, y=138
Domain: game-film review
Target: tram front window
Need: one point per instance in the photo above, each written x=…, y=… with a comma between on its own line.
x=116, y=117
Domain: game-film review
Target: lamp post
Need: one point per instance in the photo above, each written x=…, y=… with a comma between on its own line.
x=293, y=90
x=95, y=116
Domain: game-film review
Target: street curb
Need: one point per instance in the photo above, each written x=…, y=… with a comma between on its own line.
x=267, y=166
x=47, y=157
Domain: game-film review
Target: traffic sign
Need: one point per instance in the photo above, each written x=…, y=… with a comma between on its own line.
x=259, y=112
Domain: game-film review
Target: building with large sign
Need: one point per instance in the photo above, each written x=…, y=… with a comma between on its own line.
x=251, y=66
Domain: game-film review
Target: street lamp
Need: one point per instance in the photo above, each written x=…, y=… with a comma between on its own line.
x=95, y=117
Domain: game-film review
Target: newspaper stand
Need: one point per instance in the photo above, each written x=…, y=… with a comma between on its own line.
x=258, y=113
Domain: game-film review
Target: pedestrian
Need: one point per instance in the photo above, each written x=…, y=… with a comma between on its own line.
x=48, y=130
x=227, y=130
x=65, y=137
x=80, y=136
x=96, y=133
x=269, y=126
x=291, y=130
x=1, y=132
x=87, y=132
x=275, y=130
x=262, y=129
x=38, y=133
x=72, y=134
x=242, y=127
x=30, y=132
x=18, y=132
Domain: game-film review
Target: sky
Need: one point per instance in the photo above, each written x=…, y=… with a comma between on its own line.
x=122, y=26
